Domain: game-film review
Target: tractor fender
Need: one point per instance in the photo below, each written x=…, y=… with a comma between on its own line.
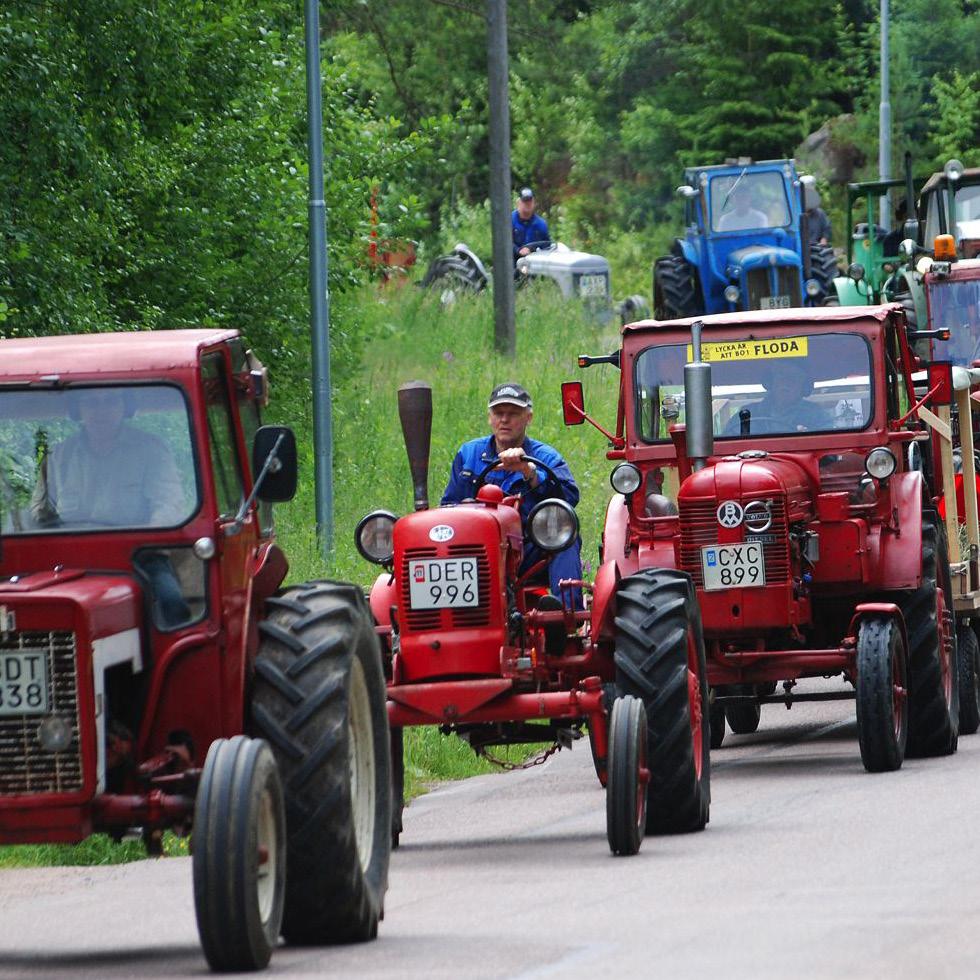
x=604, y=590
x=615, y=531
x=848, y=292
x=384, y=595
x=878, y=609
x=897, y=557
x=686, y=250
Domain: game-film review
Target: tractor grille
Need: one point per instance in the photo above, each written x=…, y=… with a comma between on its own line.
x=787, y=284
x=421, y=620
x=699, y=527
x=25, y=768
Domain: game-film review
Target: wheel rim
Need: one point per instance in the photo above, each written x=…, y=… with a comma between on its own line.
x=268, y=856
x=695, y=712
x=362, y=764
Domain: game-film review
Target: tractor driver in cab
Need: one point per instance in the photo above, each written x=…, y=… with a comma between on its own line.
x=785, y=408
x=530, y=230
x=739, y=212
x=509, y=415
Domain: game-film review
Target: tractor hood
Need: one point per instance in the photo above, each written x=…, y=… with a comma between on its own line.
x=563, y=258
x=740, y=479
x=760, y=256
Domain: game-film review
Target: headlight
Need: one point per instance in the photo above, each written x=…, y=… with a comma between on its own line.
x=812, y=287
x=732, y=294
x=552, y=525
x=374, y=536
x=880, y=463
x=856, y=271
x=625, y=479
x=54, y=734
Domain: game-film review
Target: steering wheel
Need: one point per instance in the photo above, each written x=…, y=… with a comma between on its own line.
x=495, y=462
x=540, y=246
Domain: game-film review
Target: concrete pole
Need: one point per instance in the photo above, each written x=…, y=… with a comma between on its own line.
x=319, y=290
x=500, y=190
x=885, y=119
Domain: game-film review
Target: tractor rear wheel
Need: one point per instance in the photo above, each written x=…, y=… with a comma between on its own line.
x=882, y=694
x=675, y=289
x=319, y=699
x=823, y=268
x=968, y=651
x=239, y=857
x=626, y=791
x=743, y=718
x=660, y=659
x=933, y=682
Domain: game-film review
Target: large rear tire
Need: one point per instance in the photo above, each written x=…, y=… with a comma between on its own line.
x=968, y=651
x=239, y=860
x=882, y=694
x=626, y=792
x=319, y=699
x=933, y=682
x=823, y=268
x=675, y=289
x=660, y=659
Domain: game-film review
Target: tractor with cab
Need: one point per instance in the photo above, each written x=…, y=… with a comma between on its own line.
x=746, y=243
x=482, y=650
x=786, y=461
x=155, y=675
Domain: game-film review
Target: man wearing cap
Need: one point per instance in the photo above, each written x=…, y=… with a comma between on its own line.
x=530, y=229
x=510, y=413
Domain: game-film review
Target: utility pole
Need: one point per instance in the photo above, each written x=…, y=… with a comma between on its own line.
x=503, y=240
x=885, y=120
x=319, y=290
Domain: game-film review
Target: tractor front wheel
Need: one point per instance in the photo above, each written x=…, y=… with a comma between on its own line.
x=716, y=719
x=743, y=718
x=239, y=858
x=319, y=699
x=397, y=784
x=660, y=659
x=968, y=650
x=882, y=694
x=626, y=791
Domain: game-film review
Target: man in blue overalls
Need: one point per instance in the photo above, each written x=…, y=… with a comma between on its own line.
x=530, y=229
x=509, y=417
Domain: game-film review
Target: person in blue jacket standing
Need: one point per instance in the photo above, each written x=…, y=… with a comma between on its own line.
x=530, y=229
x=509, y=415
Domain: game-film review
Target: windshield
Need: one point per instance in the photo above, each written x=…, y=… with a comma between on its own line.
x=776, y=386
x=746, y=202
x=967, y=209
x=93, y=458
x=955, y=306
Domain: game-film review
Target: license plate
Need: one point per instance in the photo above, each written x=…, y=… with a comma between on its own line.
x=24, y=683
x=733, y=566
x=592, y=286
x=774, y=303
x=443, y=583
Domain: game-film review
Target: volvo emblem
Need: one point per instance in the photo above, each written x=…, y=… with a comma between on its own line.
x=758, y=516
x=441, y=532
x=730, y=513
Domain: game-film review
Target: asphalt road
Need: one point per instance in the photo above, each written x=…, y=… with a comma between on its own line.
x=810, y=867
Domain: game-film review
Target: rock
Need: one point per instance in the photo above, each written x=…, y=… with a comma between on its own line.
x=830, y=153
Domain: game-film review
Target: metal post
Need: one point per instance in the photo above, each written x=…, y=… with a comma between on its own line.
x=500, y=205
x=319, y=290
x=885, y=120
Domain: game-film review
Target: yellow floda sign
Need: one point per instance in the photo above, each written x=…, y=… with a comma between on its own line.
x=751, y=350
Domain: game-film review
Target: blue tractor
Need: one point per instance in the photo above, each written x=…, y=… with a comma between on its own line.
x=746, y=244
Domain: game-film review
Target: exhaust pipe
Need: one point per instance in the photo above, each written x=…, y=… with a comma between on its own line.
x=699, y=427
x=415, y=412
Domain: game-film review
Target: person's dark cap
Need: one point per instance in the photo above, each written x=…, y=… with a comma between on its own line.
x=509, y=393
x=527, y=194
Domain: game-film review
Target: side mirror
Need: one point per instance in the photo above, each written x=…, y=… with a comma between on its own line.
x=941, y=378
x=686, y=191
x=275, y=468
x=572, y=402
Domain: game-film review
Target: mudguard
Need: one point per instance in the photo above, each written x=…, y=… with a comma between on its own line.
x=849, y=292
x=897, y=558
x=604, y=601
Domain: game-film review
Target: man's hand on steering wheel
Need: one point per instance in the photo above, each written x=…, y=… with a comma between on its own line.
x=514, y=461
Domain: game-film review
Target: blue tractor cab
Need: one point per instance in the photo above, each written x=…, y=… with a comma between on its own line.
x=745, y=247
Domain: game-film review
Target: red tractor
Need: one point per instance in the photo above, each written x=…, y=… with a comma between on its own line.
x=781, y=460
x=483, y=651
x=153, y=674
